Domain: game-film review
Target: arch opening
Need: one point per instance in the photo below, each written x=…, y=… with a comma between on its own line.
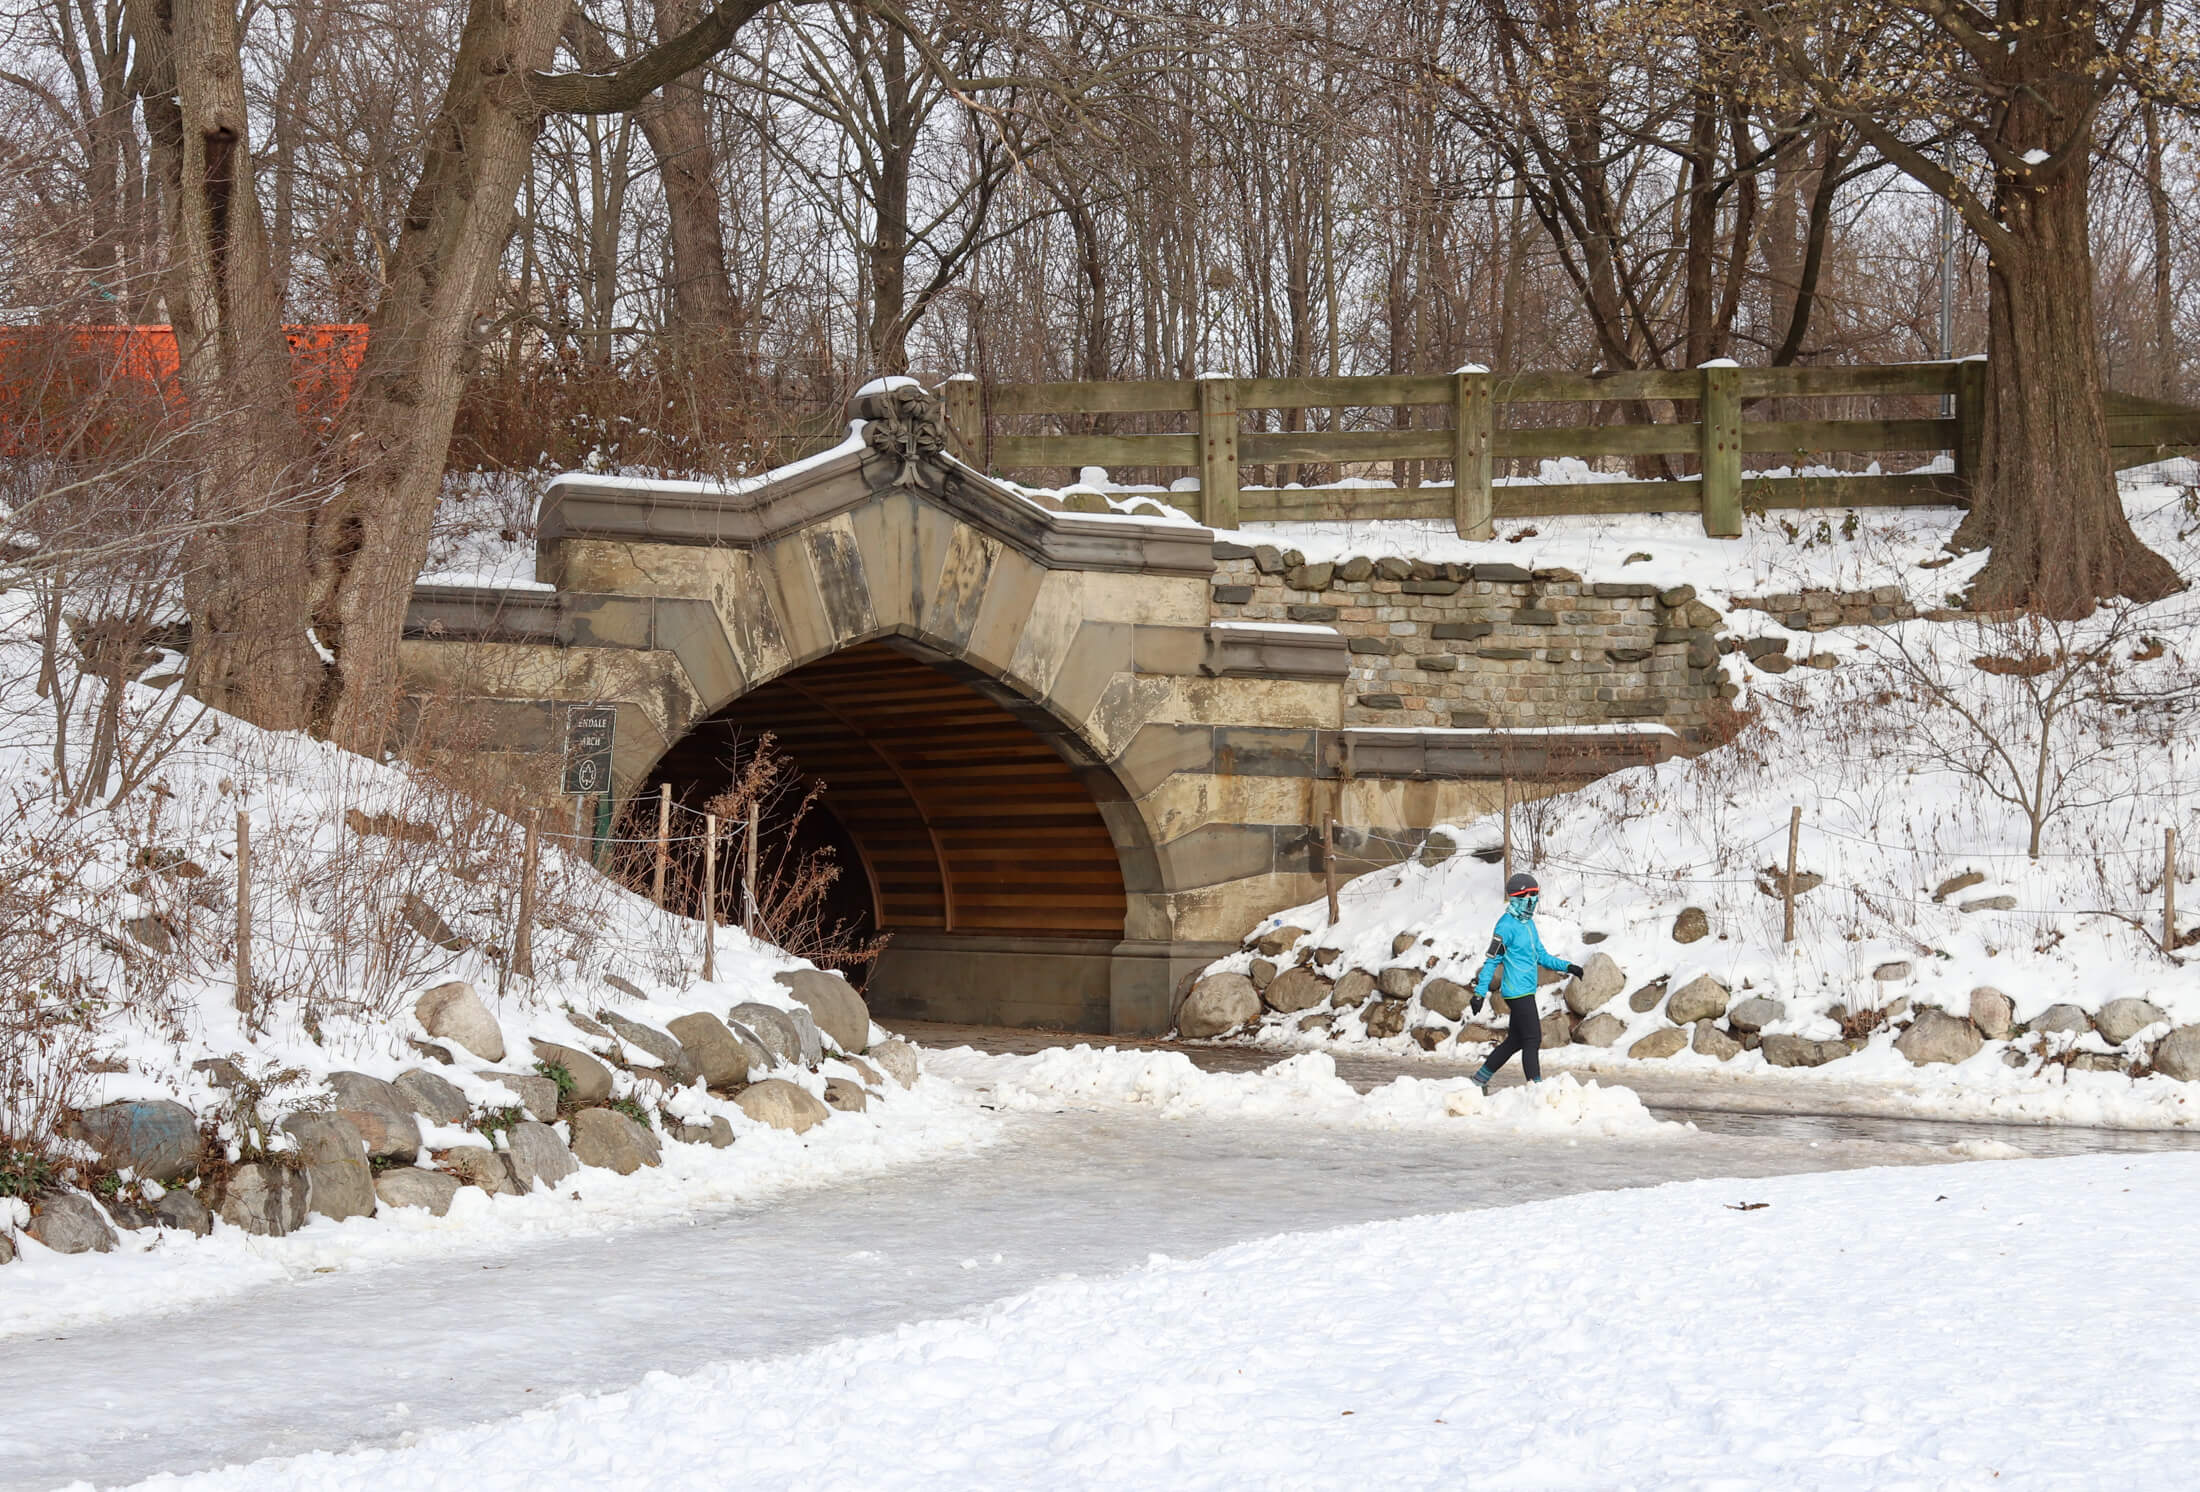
x=966, y=832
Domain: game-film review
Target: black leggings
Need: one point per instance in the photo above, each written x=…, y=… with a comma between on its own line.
x=1525, y=1037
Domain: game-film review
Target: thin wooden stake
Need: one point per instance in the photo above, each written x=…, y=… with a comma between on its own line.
x=664, y=849
x=244, y=913
x=523, y=940
x=1508, y=826
x=748, y=877
x=1329, y=862
x=1787, y=890
x=710, y=896
x=2169, y=890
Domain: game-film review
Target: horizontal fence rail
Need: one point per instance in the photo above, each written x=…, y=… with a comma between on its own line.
x=1703, y=424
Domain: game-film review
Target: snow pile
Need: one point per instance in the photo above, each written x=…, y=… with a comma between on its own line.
x=1360, y=1357
x=1301, y=1089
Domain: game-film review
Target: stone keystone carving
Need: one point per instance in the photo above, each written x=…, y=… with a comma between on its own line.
x=903, y=421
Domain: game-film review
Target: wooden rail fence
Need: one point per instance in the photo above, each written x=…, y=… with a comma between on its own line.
x=1707, y=427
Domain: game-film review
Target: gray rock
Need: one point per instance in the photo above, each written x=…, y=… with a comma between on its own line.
x=1355, y=989
x=1755, y=1013
x=155, y=1141
x=2120, y=1020
x=2097, y=1062
x=782, y=1105
x=671, y=1058
x=1601, y=979
x=70, y=1224
x=220, y=1072
x=591, y=1079
x=1295, y=989
x=608, y=1138
x=535, y=1153
x=1954, y=884
x=724, y=1059
x=1556, y=1029
x=478, y=1165
x=588, y=1025
x=1994, y=1013
x=1646, y=999
x=1443, y=997
x=1402, y=942
x=1398, y=983
x=871, y=1076
x=1218, y=1003
x=838, y=1009
x=1437, y=848
x=1701, y=999
x=339, y=1183
x=433, y=1097
x=130, y=1216
x=846, y=1095
x=771, y=1028
x=1659, y=1044
x=2058, y=1018
x=1262, y=971
x=1889, y=972
x=265, y=1199
x=1798, y=1051
x=1477, y=1031
x=1386, y=1018
x=1937, y=1036
x=537, y=1094
x=1693, y=925
x=898, y=1058
x=2003, y=903
x=1281, y=941
x=381, y=1114
x=453, y=1012
x=2177, y=1055
x=1320, y=1020
x=183, y=1211
x=1710, y=1041
x=813, y=1041
x=409, y=1186
x=7, y=1249
x=1600, y=1029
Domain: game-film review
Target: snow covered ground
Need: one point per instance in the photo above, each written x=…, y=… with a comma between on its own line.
x=1844, y=1330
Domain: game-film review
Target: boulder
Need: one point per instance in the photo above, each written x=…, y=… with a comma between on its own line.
x=1894, y=969
x=608, y=1138
x=1798, y=1051
x=1295, y=989
x=1993, y=1013
x=535, y=1153
x=2096, y=1062
x=1386, y=1018
x=2177, y=1055
x=1281, y=941
x=871, y=1077
x=591, y=1079
x=1398, y=983
x=7, y=1249
x=1659, y=1044
x=813, y=1041
x=2120, y=1020
x=1710, y=1041
x=1646, y=999
x=782, y=1105
x=265, y=1199
x=537, y=1094
x=1755, y=1013
x=183, y=1211
x=1600, y=1029
x=1475, y=1031
x=1402, y=942
x=1601, y=979
x=1701, y=999
x=839, y=1011
x=670, y=1058
x=1218, y=1003
x=382, y=1115
x=478, y=1165
x=70, y=1224
x=453, y=1012
x=1355, y=989
x=771, y=1028
x=339, y=1183
x=409, y=1186
x=846, y=1095
x=1557, y=1030
x=154, y=1141
x=1443, y=997
x=1319, y=1020
x=1963, y=882
x=2001, y=903
x=432, y=1097
x=1262, y=971
x=723, y=1059
x=1428, y=1038
x=2059, y=1018
x=219, y=1072
x=1693, y=925
x=898, y=1058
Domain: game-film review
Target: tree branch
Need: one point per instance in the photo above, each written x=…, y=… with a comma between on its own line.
x=624, y=87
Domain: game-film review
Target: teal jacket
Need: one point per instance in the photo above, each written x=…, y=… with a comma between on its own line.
x=1516, y=949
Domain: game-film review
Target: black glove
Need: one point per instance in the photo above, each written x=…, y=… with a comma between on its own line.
x=1475, y=1005
x=1574, y=969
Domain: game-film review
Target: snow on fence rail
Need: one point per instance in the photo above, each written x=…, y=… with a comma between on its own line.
x=1694, y=415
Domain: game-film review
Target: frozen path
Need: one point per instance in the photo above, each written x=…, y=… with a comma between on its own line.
x=372, y=1357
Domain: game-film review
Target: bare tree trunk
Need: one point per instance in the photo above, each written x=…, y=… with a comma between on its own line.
x=2165, y=299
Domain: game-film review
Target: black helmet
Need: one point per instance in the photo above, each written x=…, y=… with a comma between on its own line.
x=1521, y=884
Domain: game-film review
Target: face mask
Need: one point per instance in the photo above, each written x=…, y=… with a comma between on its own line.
x=1523, y=906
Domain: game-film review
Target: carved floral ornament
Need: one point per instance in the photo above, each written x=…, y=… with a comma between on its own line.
x=904, y=424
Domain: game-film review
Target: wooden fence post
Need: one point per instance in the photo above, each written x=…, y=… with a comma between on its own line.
x=1787, y=890
x=2169, y=890
x=965, y=409
x=710, y=896
x=1218, y=452
x=1508, y=826
x=748, y=878
x=1720, y=436
x=244, y=913
x=523, y=940
x=1473, y=418
x=664, y=847
x=1970, y=448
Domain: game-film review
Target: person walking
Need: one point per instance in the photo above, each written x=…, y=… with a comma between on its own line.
x=1516, y=953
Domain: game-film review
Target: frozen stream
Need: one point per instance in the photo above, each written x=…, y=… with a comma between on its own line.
x=371, y=1357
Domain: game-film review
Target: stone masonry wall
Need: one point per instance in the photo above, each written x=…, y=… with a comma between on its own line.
x=1489, y=645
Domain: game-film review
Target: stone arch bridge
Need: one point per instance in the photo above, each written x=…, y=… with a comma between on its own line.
x=1074, y=755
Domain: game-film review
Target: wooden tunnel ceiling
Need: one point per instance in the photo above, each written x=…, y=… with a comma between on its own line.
x=966, y=819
